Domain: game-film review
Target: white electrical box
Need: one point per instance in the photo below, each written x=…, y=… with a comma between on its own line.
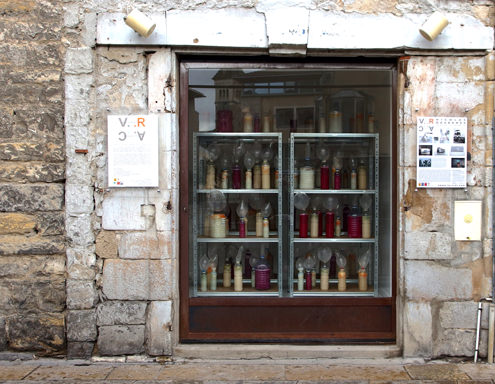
x=467, y=220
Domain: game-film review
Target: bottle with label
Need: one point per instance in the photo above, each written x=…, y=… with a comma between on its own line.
x=262, y=272
x=363, y=261
x=324, y=254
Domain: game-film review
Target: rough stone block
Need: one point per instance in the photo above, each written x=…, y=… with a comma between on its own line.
x=81, y=325
x=452, y=99
x=78, y=87
x=32, y=172
x=417, y=329
x=122, y=211
x=462, y=314
x=3, y=335
x=50, y=223
x=29, y=198
x=80, y=350
x=79, y=60
x=78, y=199
x=428, y=245
x=106, y=244
x=145, y=245
x=225, y=28
x=36, y=332
x=38, y=150
x=81, y=264
x=121, y=340
x=78, y=170
x=39, y=294
x=121, y=313
x=138, y=279
x=80, y=230
x=81, y=294
x=158, y=328
x=16, y=223
x=426, y=280
x=460, y=69
x=458, y=342
x=35, y=245
x=31, y=267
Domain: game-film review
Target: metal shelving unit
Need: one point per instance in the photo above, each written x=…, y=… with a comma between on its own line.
x=369, y=141
x=200, y=193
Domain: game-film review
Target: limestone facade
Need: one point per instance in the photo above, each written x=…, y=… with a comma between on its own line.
x=112, y=282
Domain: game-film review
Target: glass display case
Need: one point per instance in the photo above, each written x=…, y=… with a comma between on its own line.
x=288, y=201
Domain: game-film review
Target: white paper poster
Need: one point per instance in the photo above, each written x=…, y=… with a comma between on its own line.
x=133, y=151
x=442, y=152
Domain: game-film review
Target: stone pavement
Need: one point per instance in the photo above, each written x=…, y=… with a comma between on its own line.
x=245, y=371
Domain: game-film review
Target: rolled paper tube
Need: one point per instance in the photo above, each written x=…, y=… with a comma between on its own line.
x=303, y=225
x=265, y=176
x=341, y=283
x=354, y=226
x=366, y=226
x=308, y=284
x=236, y=177
x=227, y=274
x=329, y=224
x=320, y=224
x=249, y=179
x=363, y=280
x=313, y=227
x=324, y=279
x=325, y=177
x=141, y=23
x=242, y=227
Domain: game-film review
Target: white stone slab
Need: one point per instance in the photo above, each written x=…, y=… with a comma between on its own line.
x=287, y=26
x=243, y=28
x=358, y=31
x=122, y=210
x=112, y=30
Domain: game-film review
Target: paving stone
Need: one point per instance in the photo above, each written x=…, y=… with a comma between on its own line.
x=15, y=372
x=222, y=372
x=340, y=372
x=135, y=372
x=70, y=372
x=436, y=372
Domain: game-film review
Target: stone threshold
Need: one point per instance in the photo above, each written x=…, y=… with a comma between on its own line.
x=284, y=351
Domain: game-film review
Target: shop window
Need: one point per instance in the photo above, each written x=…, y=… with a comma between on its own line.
x=288, y=197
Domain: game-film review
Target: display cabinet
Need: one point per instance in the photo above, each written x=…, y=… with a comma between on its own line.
x=334, y=212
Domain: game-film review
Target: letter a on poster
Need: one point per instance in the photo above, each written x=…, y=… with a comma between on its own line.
x=442, y=152
x=132, y=151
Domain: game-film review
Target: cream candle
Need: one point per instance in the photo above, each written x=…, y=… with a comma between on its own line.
x=363, y=280
x=341, y=285
x=324, y=279
x=313, y=226
x=238, y=277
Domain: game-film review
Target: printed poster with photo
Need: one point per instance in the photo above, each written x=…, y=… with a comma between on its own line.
x=442, y=152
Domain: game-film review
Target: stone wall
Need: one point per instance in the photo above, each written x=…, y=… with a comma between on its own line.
x=121, y=254
x=32, y=166
x=443, y=279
